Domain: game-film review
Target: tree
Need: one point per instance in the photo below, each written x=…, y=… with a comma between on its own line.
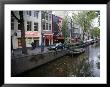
x=84, y=20
x=65, y=28
x=95, y=32
x=21, y=21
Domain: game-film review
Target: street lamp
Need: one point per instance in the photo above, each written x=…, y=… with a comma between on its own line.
x=42, y=42
x=14, y=34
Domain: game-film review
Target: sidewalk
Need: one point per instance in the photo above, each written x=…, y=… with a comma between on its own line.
x=18, y=52
x=36, y=50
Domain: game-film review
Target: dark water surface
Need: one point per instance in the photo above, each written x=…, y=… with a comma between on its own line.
x=83, y=65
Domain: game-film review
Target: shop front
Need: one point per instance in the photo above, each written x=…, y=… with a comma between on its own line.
x=58, y=39
x=48, y=39
x=32, y=36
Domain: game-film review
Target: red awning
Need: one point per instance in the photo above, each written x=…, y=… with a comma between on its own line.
x=48, y=37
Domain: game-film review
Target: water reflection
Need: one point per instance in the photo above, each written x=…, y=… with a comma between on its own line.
x=84, y=65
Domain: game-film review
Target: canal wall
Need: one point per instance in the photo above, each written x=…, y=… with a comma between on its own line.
x=22, y=64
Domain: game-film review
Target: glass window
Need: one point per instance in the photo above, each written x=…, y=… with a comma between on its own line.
x=49, y=26
x=43, y=15
x=29, y=13
x=46, y=16
x=28, y=26
x=19, y=26
x=46, y=26
x=50, y=17
x=35, y=26
x=36, y=13
x=12, y=23
x=29, y=40
x=43, y=25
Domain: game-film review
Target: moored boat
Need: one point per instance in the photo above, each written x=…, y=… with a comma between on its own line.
x=76, y=51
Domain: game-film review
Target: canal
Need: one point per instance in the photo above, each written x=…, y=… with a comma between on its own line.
x=84, y=65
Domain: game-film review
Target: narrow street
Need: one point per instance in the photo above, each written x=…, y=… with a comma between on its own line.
x=84, y=65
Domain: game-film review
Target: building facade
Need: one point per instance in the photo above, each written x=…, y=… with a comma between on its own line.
x=34, y=25
x=46, y=25
x=57, y=29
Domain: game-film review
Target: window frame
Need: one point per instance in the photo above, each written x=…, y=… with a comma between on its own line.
x=36, y=14
x=29, y=26
x=29, y=13
x=36, y=26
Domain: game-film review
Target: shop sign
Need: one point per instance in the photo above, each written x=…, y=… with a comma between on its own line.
x=31, y=34
x=48, y=36
x=60, y=37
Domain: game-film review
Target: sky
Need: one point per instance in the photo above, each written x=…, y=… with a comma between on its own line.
x=95, y=21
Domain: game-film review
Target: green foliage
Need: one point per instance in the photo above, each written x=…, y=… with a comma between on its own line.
x=65, y=27
x=84, y=19
x=95, y=32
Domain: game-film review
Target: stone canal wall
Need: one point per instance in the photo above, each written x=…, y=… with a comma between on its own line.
x=21, y=64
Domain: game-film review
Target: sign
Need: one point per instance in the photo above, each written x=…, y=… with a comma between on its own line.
x=60, y=37
x=31, y=34
x=48, y=36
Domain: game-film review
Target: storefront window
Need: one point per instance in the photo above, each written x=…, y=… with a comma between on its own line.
x=36, y=41
x=29, y=40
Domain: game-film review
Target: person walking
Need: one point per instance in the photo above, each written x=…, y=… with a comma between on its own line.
x=33, y=44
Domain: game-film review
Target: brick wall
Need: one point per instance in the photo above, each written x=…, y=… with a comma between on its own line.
x=19, y=65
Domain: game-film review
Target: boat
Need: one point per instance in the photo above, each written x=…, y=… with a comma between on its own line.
x=76, y=51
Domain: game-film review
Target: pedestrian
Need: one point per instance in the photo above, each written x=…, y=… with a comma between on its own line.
x=32, y=44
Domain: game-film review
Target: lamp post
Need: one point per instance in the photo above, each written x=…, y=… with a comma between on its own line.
x=14, y=34
x=42, y=42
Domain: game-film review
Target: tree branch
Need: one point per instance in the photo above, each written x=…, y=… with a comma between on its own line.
x=12, y=13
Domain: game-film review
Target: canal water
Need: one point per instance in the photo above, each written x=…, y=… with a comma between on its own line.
x=84, y=65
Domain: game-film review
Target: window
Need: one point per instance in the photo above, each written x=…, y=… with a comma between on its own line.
x=12, y=23
x=28, y=26
x=49, y=26
x=46, y=26
x=19, y=26
x=43, y=25
x=35, y=26
x=49, y=17
x=36, y=13
x=29, y=40
x=43, y=15
x=19, y=42
x=29, y=13
x=46, y=16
